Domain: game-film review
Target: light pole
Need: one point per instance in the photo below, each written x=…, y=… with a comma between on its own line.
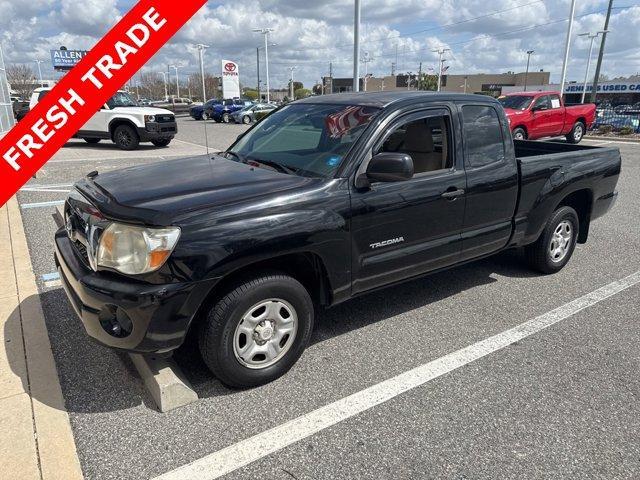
x=291, y=69
x=366, y=59
x=265, y=32
x=175, y=67
x=440, y=52
x=164, y=80
x=592, y=37
x=258, y=66
x=201, y=47
x=526, y=73
x=567, y=48
x=40, y=71
x=356, y=47
x=594, y=90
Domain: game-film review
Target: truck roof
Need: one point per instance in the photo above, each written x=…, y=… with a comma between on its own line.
x=531, y=94
x=384, y=99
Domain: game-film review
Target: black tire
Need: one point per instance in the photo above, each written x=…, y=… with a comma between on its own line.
x=217, y=333
x=577, y=133
x=226, y=117
x=92, y=141
x=519, y=134
x=539, y=254
x=204, y=116
x=126, y=138
x=161, y=142
x=246, y=119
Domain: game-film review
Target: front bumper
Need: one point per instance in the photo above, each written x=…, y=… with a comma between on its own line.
x=157, y=131
x=159, y=315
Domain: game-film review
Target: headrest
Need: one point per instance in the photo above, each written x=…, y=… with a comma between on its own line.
x=418, y=138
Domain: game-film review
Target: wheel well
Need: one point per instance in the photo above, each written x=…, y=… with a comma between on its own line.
x=523, y=128
x=580, y=201
x=582, y=121
x=121, y=121
x=308, y=268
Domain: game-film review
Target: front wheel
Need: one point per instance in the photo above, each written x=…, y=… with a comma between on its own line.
x=577, y=133
x=205, y=116
x=226, y=117
x=519, y=134
x=246, y=119
x=552, y=251
x=161, y=142
x=257, y=331
x=126, y=138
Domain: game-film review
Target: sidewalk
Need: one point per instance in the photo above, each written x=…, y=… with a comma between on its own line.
x=36, y=441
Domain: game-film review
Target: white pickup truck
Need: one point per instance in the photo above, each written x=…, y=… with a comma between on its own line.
x=124, y=122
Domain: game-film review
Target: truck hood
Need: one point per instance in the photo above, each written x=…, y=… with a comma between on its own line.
x=142, y=111
x=168, y=192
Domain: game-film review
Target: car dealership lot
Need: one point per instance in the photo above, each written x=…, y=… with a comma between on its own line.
x=562, y=402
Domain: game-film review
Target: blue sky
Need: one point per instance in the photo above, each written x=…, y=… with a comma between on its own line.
x=310, y=35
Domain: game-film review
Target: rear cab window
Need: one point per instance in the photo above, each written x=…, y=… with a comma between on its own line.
x=483, y=139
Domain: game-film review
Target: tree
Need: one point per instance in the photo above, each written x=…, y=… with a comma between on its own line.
x=22, y=79
x=251, y=94
x=317, y=89
x=151, y=86
x=302, y=93
x=211, y=85
x=428, y=82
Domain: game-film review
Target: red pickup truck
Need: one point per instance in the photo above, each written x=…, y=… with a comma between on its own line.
x=534, y=115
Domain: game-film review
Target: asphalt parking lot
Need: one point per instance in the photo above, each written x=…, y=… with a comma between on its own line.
x=563, y=402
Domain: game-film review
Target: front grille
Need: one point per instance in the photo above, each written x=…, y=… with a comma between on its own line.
x=165, y=118
x=168, y=129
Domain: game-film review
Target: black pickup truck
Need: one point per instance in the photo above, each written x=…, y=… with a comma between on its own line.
x=325, y=199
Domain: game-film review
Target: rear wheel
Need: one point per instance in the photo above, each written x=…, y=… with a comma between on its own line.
x=257, y=331
x=577, y=133
x=91, y=140
x=126, y=138
x=552, y=251
x=246, y=119
x=519, y=134
x=205, y=116
x=226, y=117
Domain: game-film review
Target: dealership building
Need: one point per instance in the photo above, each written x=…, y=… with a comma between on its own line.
x=615, y=92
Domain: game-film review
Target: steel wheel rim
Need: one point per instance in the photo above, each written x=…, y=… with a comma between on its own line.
x=561, y=241
x=519, y=136
x=578, y=132
x=265, y=333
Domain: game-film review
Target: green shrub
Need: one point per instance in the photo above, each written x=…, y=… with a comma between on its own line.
x=626, y=131
x=605, y=129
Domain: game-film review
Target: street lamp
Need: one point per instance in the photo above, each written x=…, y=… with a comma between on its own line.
x=526, y=73
x=201, y=47
x=592, y=37
x=440, y=52
x=40, y=71
x=258, y=65
x=291, y=69
x=164, y=80
x=366, y=59
x=356, y=46
x=175, y=67
x=265, y=32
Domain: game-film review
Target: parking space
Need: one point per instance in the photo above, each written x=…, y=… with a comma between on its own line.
x=561, y=402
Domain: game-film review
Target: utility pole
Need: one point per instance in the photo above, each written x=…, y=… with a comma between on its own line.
x=40, y=71
x=592, y=37
x=291, y=69
x=440, y=52
x=465, y=83
x=356, y=47
x=265, y=32
x=594, y=90
x=258, y=70
x=526, y=73
x=201, y=48
x=175, y=67
x=164, y=80
x=330, y=77
x=366, y=61
x=567, y=48
x=418, y=86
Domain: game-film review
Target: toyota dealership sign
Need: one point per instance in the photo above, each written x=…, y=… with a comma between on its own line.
x=230, y=79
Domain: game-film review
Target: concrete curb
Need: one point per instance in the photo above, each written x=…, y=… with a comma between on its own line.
x=162, y=378
x=612, y=139
x=55, y=446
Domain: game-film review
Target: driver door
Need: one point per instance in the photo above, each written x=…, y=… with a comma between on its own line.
x=98, y=125
x=406, y=228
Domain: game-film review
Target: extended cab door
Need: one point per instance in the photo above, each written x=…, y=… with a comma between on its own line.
x=492, y=180
x=402, y=229
x=556, y=116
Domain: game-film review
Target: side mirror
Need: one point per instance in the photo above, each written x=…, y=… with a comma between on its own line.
x=388, y=167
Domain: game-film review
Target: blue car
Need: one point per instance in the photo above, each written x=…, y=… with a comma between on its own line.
x=221, y=111
x=202, y=112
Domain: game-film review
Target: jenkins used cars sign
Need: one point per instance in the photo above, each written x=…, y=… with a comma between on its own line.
x=230, y=79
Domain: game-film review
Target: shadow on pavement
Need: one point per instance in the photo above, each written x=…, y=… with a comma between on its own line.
x=107, y=145
x=98, y=379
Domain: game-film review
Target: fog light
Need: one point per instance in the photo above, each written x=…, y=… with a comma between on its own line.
x=115, y=321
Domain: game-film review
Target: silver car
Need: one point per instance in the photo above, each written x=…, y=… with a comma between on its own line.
x=248, y=114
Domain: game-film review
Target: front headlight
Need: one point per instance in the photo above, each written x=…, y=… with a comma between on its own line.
x=150, y=118
x=134, y=250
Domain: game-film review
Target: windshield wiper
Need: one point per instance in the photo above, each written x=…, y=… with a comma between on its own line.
x=277, y=166
x=234, y=154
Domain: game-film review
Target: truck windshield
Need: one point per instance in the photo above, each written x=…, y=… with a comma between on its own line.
x=121, y=99
x=305, y=139
x=516, y=102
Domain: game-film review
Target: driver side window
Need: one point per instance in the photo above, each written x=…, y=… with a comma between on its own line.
x=426, y=140
x=542, y=103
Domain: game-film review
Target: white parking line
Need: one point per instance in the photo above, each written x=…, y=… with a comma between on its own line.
x=42, y=204
x=254, y=448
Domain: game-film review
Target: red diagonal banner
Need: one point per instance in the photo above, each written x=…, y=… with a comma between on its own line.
x=79, y=95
